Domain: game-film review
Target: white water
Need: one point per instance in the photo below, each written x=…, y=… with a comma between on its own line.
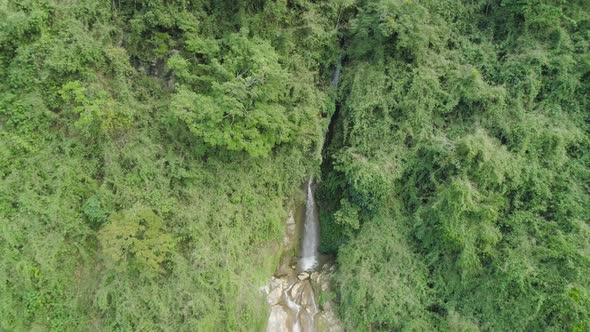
x=311, y=233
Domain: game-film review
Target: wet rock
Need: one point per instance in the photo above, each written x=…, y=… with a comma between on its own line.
x=320, y=281
x=306, y=321
x=278, y=319
x=303, y=276
x=315, y=278
x=276, y=282
x=290, y=292
x=327, y=306
x=307, y=299
x=274, y=290
x=274, y=296
x=295, y=291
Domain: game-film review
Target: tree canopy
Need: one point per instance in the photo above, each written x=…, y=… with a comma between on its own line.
x=464, y=159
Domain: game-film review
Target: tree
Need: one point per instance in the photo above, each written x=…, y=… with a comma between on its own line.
x=136, y=236
x=245, y=107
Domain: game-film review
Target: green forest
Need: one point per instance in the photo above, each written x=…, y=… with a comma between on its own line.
x=150, y=151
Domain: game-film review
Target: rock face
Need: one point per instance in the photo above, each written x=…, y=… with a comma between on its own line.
x=290, y=233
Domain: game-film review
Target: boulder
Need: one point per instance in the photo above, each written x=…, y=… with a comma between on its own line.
x=274, y=290
x=306, y=321
x=283, y=270
x=307, y=299
x=274, y=296
x=303, y=276
x=278, y=319
x=295, y=291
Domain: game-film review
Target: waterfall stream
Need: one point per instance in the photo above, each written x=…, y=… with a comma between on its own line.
x=291, y=290
x=311, y=233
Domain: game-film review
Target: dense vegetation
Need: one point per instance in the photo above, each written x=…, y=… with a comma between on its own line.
x=456, y=188
x=149, y=151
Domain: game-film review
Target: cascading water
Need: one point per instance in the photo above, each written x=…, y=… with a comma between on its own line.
x=311, y=233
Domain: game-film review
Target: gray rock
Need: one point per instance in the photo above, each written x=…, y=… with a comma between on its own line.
x=278, y=319
x=306, y=321
x=295, y=291
x=282, y=271
x=274, y=296
x=303, y=276
x=307, y=299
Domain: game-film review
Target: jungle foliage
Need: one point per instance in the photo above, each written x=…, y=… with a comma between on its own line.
x=148, y=151
x=456, y=189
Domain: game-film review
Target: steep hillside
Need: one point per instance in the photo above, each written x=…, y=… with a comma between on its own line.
x=456, y=188
x=149, y=149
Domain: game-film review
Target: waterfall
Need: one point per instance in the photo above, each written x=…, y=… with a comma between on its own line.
x=336, y=74
x=311, y=233
x=290, y=292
